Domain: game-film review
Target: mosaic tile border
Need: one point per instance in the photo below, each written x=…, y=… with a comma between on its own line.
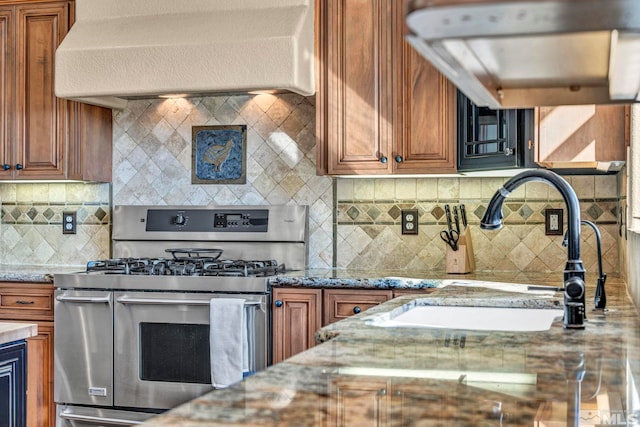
x=51, y=213
x=515, y=211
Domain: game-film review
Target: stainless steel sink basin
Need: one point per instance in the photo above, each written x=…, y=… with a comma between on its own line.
x=472, y=318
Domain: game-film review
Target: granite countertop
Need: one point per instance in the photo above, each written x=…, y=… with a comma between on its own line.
x=362, y=374
x=338, y=278
x=34, y=273
x=15, y=331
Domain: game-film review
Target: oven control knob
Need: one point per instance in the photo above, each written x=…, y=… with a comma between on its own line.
x=180, y=219
x=278, y=303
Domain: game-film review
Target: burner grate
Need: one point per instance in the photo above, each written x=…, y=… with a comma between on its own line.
x=186, y=266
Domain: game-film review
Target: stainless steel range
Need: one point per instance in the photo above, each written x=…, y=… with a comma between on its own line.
x=135, y=335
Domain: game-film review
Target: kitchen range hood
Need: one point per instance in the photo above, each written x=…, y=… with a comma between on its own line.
x=520, y=54
x=124, y=49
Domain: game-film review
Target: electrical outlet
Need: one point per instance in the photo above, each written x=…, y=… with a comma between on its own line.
x=409, y=221
x=68, y=223
x=553, y=222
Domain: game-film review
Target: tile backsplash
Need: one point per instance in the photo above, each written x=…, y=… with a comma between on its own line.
x=354, y=222
x=369, y=218
x=152, y=157
x=31, y=223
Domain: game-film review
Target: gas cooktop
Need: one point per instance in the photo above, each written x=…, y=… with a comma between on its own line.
x=186, y=266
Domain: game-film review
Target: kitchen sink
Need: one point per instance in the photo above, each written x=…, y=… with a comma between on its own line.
x=472, y=318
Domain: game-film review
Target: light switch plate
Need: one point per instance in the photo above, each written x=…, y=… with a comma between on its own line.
x=409, y=221
x=553, y=225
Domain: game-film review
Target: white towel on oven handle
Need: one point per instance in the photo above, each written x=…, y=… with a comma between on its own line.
x=227, y=340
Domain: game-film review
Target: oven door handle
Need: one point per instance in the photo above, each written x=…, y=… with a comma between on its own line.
x=95, y=300
x=158, y=301
x=98, y=420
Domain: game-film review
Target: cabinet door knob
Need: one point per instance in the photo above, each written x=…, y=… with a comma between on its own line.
x=19, y=166
x=383, y=159
x=6, y=166
x=399, y=158
x=357, y=309
x=278, y=303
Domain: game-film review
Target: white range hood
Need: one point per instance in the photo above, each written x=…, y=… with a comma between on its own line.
x=120, y=49
x=518, y=54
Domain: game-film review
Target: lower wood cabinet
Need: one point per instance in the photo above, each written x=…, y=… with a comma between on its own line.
x=33, y=302
x=357, y=401
x=12, y=384
x=339, y=304
x=297, y=313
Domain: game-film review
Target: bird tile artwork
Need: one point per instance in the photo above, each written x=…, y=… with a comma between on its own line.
x=219, y=154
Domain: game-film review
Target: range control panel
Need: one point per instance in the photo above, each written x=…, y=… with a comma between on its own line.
x=205, y=220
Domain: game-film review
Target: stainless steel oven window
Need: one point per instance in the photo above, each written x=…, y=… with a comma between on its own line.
x=175, y=352
x=145, y=324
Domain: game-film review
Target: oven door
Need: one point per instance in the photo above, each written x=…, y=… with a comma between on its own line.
x=83, y=346
x=162, y=356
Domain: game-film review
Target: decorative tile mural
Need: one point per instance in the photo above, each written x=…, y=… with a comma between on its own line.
x=153, y=157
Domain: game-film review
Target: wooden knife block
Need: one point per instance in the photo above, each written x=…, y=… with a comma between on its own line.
x=461, y=261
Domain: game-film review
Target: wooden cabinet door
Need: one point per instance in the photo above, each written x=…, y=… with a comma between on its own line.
x=41, y=410
x=90, y=142
x=581, y=133
x=359, y=401
x=355, y=110
x=6, y=90
x=425, y=107
x=297, y=315
x=341, y=303
x=41, y=118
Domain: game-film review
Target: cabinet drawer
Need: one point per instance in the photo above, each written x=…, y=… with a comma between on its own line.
x=340, y=304
x=28, y=302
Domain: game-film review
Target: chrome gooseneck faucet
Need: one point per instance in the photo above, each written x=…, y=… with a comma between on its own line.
x=574, y=272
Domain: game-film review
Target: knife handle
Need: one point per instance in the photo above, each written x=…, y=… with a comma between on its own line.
x=463, y=216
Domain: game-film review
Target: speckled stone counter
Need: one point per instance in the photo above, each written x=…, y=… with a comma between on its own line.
x=34, y=273
x=363, y=374
x=337, y=278
x=14, y=331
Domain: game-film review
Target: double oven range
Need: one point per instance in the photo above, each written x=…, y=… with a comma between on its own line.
x=132, y=332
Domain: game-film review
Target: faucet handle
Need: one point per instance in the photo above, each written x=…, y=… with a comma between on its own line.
x=600, y=296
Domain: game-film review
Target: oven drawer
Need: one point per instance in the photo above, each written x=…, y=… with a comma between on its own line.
x=83, y=346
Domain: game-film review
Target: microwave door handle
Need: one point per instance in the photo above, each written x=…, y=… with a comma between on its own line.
x=98, y=420
x=95, y=300
x=158, y=301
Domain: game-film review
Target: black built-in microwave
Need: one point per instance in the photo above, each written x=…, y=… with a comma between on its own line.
x=493, y=139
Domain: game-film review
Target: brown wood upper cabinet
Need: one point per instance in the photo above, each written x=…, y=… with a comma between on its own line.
x=42, y=136
x=581, y=135
x=381, y=108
